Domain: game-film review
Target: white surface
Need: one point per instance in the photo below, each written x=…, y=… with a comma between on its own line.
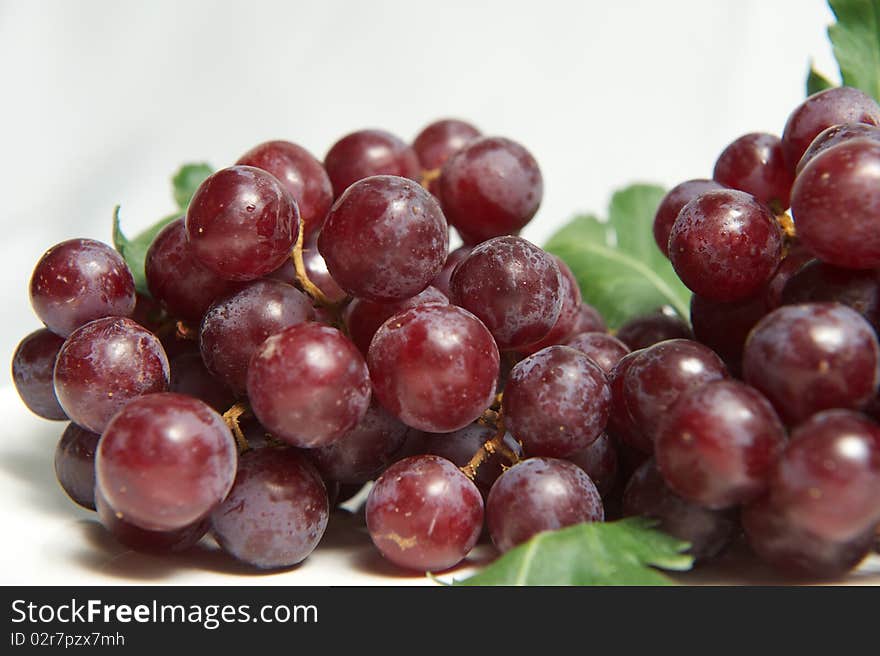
x=100, y=101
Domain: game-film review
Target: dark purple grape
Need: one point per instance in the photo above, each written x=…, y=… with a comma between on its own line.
x=568, y=313
x=828, y=480
x=599, y=461
x=78, y=281
x=725, y=245
x=242, y=223
x=149, y=313
x=141, y=539
x=620, y=422
x=754, y=163
x=276, y=512
x=540, y=494
x=235, y=326
x=677, y=197
x=811, y=357
x=489, y=188
x=719, y=443
x=366, y=153
x=707, y=531
x=75, y=464
x=190, y=376
x=556, y=402
x=795, y=551
x=588, y=321
x=822, y=110
x=424, y=514
x=104, y=365
x=364, y=451
x=460, y=446
x=32, y=365
x=820, y=282
x=435, y=367
x=724, y=327
x=441, y=281
x=308, y=385
x=659, y=375
x=363, y=317
x=441, y=139
x=301, y=175
x=830, y=137
x=385, y=239
x=796, y=257
x=514, y=288
x=165, y=461
x=184, y=286
x=649, y=329
x=601, y=348
x=836, y=205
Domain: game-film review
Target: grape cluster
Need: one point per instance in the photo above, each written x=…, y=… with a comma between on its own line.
x=782, y=251
x=308, y=331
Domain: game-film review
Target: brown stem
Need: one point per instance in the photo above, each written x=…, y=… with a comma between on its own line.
x=428, y=176
x=186, y=332
x=308, y=286
x=232, y=417
x=787, y=224
x=489, y=447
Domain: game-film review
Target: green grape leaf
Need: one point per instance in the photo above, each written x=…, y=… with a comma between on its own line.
x=187, y=180
x=625, y=552
x=134, y=251
x=855, y=39
x=617, y=264
x=817, y=82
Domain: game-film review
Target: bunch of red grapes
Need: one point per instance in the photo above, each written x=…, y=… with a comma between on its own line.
x=308, y=331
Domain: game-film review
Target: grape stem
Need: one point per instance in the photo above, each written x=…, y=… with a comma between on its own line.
x=308, y=286
x=428, y=176
x=787, y=224
x=232, y=417
x=490, y=446
x=186, y=332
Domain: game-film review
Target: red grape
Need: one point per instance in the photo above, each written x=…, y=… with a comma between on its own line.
x=603, y=349
x=165, y=461
x=308, y=385
x=822, y=110
x=184, y=286
x=435, y=367
x=441, y=139
x=677, y=197
x=78, y=281
x=830, y=137
x=836, y=204
x=556, y=402
x=719, y=444
x=32, y=365
x=385, y=239
x=725, y=245
x=811, y=357
x=367, y=153
x=568, y=313
x=441, y=281
x=235, y=326
x=828, y=480
x=277, y=511
x=241, y=223
x=754, y=163
x=599, y=461
x=104, y=365
x=424, y=514
x=514, y=288
x=75, y=464
x=489, y=188
x=300, y=174
x=540, y=494
x=649, y=329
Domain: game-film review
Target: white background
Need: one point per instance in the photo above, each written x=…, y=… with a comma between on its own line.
x=101, y=101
